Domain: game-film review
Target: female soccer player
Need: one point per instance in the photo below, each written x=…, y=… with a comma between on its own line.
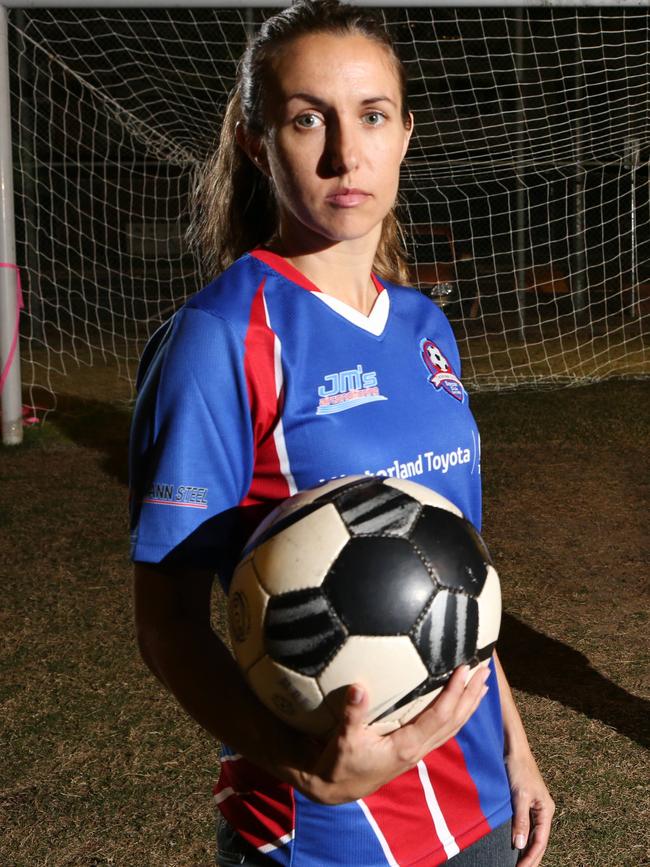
x=234, y=414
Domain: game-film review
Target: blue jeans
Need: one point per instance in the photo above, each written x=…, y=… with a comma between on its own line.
x=493, y=850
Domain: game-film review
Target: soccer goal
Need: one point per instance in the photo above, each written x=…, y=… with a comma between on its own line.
x=525, y=194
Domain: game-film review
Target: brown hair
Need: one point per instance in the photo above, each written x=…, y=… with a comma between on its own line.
x=234, y=202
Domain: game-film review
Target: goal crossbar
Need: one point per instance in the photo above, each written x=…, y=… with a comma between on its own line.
x=275, y=4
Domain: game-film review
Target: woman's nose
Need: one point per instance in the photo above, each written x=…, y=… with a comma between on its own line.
x=343, y=148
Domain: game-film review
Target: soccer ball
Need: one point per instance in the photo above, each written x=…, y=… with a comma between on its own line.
x=378, y=581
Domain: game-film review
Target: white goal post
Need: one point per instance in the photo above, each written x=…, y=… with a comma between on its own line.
x=527, y=183
x=10, y=384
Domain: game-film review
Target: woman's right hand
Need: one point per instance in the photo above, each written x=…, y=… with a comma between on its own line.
x=356, y=761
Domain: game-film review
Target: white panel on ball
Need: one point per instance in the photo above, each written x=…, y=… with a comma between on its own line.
x=389, y=667
x=414, y=708
x=489, y=610
x=302, y=554
x=293, y=697
x=411, y=710
x=425, y=495
x=247, y=603
x=298, y=501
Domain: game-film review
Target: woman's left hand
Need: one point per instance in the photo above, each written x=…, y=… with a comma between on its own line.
x=533, y=808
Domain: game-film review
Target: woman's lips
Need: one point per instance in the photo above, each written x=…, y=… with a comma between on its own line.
x=348, y=198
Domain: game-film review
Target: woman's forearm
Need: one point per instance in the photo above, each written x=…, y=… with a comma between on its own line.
x=182, y=650
x=516, y=741
x=532, y=804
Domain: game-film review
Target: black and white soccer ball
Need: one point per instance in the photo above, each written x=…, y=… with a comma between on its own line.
x=378, y=581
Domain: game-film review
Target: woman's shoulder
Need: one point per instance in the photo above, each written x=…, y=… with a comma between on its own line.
x=230, y=295
x=213, y=320
x=413, y=299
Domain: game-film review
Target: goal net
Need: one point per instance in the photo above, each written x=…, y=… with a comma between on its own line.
x=524, y=195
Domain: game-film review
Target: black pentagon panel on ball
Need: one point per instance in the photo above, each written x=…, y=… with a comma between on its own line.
x=453, y=549
x=376, y=509
x=378, y=586
x=446, y=636
x=301, y=631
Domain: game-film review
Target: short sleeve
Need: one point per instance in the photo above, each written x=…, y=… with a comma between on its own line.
x=191, y=446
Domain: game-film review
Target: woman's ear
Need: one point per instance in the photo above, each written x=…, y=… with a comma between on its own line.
x=408, y=132
x=253, y=146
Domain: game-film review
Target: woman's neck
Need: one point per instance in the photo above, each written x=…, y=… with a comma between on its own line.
x=342, y=270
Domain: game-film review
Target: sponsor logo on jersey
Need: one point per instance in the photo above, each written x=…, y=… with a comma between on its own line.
x=442, y=373
x=346, y=389
x=189, y=496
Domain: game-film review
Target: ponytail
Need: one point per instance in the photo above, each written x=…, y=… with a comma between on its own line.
x=233, y=203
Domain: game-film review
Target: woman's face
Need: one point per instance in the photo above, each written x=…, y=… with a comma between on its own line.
x=335, y=138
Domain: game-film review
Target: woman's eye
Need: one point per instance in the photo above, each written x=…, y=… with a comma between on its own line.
x=308, y=121
x=374, y=118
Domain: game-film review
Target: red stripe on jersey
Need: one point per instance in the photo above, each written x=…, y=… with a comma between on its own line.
x=279, y=264
x=456, y=793
x=268, y=484
x=402, y=815
x=261, y=807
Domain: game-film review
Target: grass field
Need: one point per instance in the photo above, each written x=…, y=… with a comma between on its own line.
x=99, y=767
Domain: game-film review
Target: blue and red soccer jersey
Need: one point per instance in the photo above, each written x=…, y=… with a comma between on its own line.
x=261, y=386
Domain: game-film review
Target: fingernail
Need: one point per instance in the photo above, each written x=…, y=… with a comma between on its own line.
x=355, y=695
x=520, y=841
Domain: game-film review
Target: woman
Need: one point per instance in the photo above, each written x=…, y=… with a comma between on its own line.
x=232, y=417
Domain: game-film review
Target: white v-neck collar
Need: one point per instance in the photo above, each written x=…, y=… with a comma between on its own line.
x=374, y=323
x=376, y=320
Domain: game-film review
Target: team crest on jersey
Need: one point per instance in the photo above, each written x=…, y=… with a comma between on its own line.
x=442, y=373
x=346, y=389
